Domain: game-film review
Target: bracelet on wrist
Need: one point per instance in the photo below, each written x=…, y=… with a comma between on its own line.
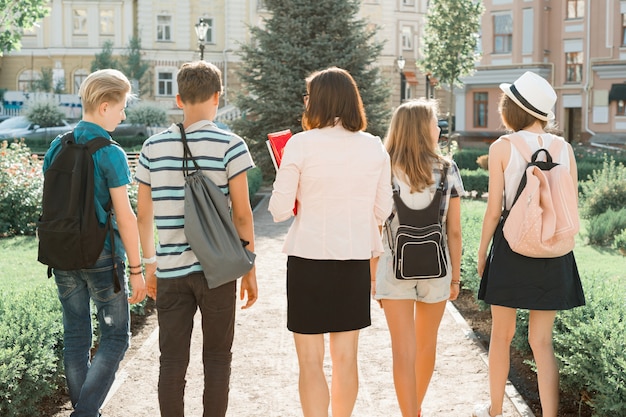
x=149, y=260
x=136, y=273
x=455, y=282
x=134, y=266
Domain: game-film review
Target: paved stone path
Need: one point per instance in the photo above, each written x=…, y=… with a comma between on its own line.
x=264, y=378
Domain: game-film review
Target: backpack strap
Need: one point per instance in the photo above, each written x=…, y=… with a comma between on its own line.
x=92, y=146
x=556, y=147
x=520, y=144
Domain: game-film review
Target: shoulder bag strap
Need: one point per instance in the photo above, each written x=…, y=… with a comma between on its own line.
x=187, y=156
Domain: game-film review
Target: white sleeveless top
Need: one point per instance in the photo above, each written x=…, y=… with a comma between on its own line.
x=517, y=164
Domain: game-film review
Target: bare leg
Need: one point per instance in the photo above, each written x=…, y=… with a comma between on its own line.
x=502, y=332
x=401, y=323
x=345, y=376
x=427, y=320
x=314, y=396
x=540, y=328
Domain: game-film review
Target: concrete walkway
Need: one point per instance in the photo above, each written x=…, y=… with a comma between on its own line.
x=264, y=378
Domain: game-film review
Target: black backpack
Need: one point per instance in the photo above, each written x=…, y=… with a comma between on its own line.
x=70, y=236
x=418, y=246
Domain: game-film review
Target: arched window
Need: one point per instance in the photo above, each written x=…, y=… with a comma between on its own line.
x=27, y=79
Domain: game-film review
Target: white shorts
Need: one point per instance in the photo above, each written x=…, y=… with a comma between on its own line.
x=388, y=287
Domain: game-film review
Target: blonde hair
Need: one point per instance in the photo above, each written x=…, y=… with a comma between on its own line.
x=410, y=144
x=106, y=85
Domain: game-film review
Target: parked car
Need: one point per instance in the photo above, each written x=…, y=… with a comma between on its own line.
x=3, y=117
x=20, y=127
x=130, y=130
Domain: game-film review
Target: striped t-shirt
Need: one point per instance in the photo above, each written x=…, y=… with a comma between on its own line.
x=220, y=154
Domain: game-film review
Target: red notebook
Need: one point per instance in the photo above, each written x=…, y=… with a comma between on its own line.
x=276, y=142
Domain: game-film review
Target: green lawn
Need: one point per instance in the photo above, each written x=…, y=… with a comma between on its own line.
x=19, y=268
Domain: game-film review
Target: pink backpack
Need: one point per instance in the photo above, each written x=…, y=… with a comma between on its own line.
x=543, y=219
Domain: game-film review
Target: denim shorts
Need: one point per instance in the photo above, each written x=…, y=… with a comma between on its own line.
x=388, y=287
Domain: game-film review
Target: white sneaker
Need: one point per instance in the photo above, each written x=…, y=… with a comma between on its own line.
x=482, y=410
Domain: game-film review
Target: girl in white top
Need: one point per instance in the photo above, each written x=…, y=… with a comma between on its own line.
x=414, y=308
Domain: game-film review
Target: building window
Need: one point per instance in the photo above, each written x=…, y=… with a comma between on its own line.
x=409, y=3
x=80, y=21
x=621, y=108
x=481, y=107
x=164, y=28
x=575, y=9
x=623, y=29
x=573, y=67
x=79, y=77
x=502, y=33
x=27, y=80
x=209, y=32
x=106, y=22
x=407, y=38
x=165, y=84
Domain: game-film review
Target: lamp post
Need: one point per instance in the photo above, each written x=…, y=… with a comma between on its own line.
x=400, y=62
x=201, y=27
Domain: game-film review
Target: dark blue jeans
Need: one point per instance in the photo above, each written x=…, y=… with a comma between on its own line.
x=89, y=379
x=178, y=299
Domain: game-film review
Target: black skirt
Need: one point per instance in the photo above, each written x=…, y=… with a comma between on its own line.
x=327, y=295
x=516, y=281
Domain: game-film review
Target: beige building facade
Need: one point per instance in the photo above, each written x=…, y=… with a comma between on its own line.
x=577, y=45
x=67, y=40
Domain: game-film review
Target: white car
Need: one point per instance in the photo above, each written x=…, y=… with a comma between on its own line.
x=20, y=127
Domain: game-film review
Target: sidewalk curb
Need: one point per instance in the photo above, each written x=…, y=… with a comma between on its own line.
x=512, y=393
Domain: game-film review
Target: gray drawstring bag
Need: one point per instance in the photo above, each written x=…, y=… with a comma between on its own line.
x=209, y=228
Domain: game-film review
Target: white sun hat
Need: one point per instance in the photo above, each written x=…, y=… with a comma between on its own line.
x=533, y=94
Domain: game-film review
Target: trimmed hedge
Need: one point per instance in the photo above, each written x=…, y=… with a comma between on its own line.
x=31, y=335
x=466, y=158
x=475, y=180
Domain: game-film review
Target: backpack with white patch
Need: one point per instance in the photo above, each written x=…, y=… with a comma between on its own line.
x=543, y=219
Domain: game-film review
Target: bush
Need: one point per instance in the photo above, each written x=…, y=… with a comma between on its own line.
x=604, y=190
x=619, y=242
x=475, y=180
x=147, y=114
x=589, y=342
x=602, y=229
x=31, y=334
x=44, y=113
x=21, y=186
x=255, y=179
x=466, y=158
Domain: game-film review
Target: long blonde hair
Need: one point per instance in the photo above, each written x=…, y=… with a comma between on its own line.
x=410, y=145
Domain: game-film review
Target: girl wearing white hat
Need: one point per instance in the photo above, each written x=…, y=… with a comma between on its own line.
x=509, y=280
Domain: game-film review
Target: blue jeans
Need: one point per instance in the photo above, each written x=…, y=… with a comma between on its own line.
x=178, y=299
x=89, y=380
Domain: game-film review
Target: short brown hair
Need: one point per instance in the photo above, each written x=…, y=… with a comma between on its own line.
x=198, y=81
x=333, y=94
x=514, y=117
x=106, y=85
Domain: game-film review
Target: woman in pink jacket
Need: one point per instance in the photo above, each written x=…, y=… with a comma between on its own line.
x=340, y=177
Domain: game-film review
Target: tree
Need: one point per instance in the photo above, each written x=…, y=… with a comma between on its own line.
x=450, y=43
x=45, y=83
x=133, y=66
x=105, y=58
x=300, y=37
x=17, y=16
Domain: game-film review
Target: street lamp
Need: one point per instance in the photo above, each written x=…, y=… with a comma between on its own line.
x=400, y=62
x=201, y=28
